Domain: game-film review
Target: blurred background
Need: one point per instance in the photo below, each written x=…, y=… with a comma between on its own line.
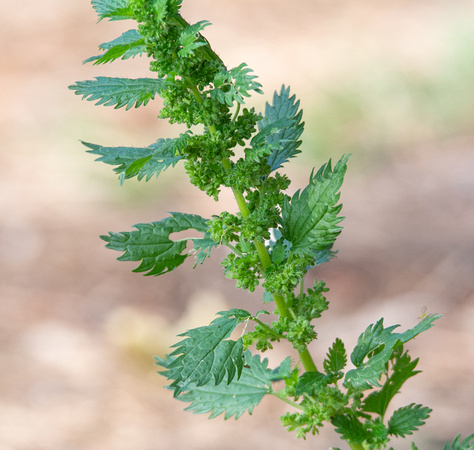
x=390, y=81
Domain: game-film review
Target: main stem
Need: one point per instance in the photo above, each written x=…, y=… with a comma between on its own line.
x=283, y=310
x=266, y=261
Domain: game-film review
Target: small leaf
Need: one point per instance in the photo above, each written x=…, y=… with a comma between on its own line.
x=151, y=243
x=350, y=428
x=284, y=141
x=402, y=369
x=466, y=444
x=336, y=358
x=235, y=398
x=128, y=45
x=119, y=92
x=406, y=420
x=310, y=220
x=113, y=9
x=310, y=382
x=190, y=38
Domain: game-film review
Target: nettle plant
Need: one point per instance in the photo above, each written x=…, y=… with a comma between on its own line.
x=273, y=239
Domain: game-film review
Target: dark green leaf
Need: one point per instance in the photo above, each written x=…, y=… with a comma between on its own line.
x=378, y=344
x=350, y=428
x=310, y=220
x=233, y=399
x=206, y=354
x=336, y=358
x=406, y=420
x=402, y=369
x=119, y=92
x=310, y=382
x=151, y=243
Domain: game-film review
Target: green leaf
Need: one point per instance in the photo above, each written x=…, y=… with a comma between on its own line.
x=283, y=142
x=350, y=428
x=336, y=358
x=141, y=162
x=310, y=220
x=406, y=420
x=190, y=39
x=151, y=243
x=233, y=85
x=466, y=444
x=128, y=45
x=234, y=399
x=310, y=382
x=119, y=92
x=206, y=354
x=113, y=9
x=402, y=369
x=377, y=344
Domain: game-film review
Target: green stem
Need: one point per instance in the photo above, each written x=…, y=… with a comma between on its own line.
x=286, y=400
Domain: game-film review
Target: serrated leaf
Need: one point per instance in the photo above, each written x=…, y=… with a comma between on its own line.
x=141, y=162
x=119, y=92
x=206, y=354
x=377, y=344
x=406, y=420
x=234, y=399
x=402, y=369
x=190, y=39
x=310, y=220
x=128, y=45
x=282, y=371
x=310, y=382
x=113, y=9
x=350, y=428
x=151, y=243
x=466, y=444
x=285, y=116
x=336, y=358
x=233, y=85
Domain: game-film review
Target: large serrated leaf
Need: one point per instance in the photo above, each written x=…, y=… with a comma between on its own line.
x=406, y=420
x=142, y=162
x=234, y=399
x=207, y=354
x=119, y=92
x=377, y=344
x=283, y=141
x=151, y=243
x=403, y=368
x=309, y=221
x=128, y=45
x=113, y=9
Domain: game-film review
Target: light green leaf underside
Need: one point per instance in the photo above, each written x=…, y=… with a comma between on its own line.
x=283, y=141
x=113, y=9
x=234, y=399
x=141, y=162
x=128, y=45
x=119, y=92
x=151, y=243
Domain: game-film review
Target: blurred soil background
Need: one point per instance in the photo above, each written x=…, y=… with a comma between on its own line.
x=390, y=81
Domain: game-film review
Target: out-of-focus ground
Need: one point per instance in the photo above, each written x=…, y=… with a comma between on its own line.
x=392, y=82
